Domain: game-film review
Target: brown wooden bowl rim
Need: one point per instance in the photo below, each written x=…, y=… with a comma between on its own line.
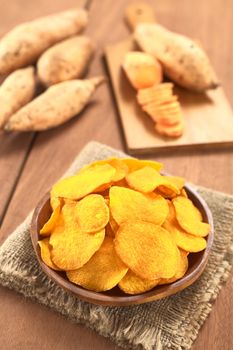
x=127, y=299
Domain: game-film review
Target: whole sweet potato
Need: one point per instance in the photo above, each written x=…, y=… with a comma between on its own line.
x=183, y=60
x=55, y=106
x=16, y=91
x=66, y=60
x=27, y=41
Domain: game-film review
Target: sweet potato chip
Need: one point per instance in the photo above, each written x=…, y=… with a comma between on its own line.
x=92, y=213
x=188, y=217
x=183, y=193
x=45, y=252
x=168, y=193
x=133, y=284
x=182, y=239
x=112, y=226
x=102, y=272
x=55, y=202
x=135, y=164
x=127, y=204
x=69, y=201
x=106, y=199
x=181, y=270
x=121, y=183
x=112, y=222
x=147, y=179
x=147, y=249
x=71, y=246
x=85, y=182
x=103, y=189
x=50, y=224
x=120, y=167
x=109, y=231
x=165, y=192
x=177, y=181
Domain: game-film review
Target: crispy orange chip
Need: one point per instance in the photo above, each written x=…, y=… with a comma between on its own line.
x=92, y=213
x=102, y=272
x=109, y=231
x=133, y=284
x=148, y=179
x=165, y=192
x=182, y=239
x=69, y=201
x=113, y=224
x=45, y=252
x=85, y=182
x=120, y=167
x=147, y=249
x=50, y=224
x=135, y=164
x=183, y=193
x=168, y=193
x=181, y=270
x=188, y=217
x=127, y=204
x=55, y=202
x=177, y=181
x=106, y=199
x=72, y=247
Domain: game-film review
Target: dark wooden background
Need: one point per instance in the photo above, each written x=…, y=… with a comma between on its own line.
x=30, y=163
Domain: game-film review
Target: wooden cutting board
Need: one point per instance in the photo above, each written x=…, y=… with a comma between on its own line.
x=208, y=117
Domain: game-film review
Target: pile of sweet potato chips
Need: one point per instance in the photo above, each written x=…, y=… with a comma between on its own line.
x=120, y=222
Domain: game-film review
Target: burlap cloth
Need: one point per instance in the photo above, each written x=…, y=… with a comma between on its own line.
x=170, y=323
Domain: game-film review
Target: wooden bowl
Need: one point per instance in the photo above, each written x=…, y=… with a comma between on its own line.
x=115, y=297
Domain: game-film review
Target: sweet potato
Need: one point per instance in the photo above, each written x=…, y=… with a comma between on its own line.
x=27, y=41
x=55, y=106
x=142, y=70
x=172, y=131
x=66, y=60
x=183, y=60
x=16, y=91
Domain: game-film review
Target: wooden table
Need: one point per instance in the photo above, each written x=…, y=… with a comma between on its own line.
x=30, y=163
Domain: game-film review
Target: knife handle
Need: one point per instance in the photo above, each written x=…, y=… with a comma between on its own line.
x=139, y=12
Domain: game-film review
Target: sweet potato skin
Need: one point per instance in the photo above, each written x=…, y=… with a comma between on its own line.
x=183, y=60
x=56, y=105
x=26, y=42
x=66, y=60
x=17, y=90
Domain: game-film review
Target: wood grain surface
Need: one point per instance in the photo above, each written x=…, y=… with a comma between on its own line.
x=30, y=164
